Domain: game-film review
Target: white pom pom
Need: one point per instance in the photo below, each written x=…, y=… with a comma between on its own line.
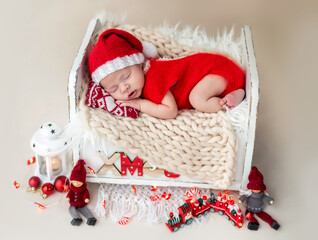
x=149, y=50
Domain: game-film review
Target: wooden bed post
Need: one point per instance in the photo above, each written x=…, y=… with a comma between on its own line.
x=252, y=94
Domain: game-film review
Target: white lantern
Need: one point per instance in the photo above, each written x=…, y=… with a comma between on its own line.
x=51, y=147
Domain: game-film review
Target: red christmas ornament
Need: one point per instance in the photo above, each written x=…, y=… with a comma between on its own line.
x=34, y=182
x=47, y=189
x=61, y=184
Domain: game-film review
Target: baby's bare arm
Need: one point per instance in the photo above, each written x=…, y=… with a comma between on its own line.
x=167, y=109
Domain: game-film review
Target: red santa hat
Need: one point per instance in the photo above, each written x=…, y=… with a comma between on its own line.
x=115, y=50
x=79, y=172
x=256, y=180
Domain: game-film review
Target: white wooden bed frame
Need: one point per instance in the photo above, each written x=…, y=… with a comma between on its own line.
x=252, y=95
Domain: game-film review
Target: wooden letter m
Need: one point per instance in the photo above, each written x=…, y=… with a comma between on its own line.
x=131, y=166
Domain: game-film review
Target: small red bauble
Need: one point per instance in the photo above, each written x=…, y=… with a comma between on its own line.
x=34, y=182
x=61, y=184
x=47, y=189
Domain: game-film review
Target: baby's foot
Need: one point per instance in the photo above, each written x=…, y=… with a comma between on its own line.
x=232, y=99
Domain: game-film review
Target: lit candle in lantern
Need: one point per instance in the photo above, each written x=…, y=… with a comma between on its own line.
x=51, y=146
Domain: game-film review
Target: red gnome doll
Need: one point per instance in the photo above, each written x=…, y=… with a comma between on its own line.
x=255, y=201
x=78, y=196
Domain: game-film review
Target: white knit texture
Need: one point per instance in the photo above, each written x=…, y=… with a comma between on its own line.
x=195, y=144
x=115, y=65
x=122, y=202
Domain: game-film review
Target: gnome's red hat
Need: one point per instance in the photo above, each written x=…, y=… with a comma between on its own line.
x=79, y=172
x=256, y=180
x=117, y=49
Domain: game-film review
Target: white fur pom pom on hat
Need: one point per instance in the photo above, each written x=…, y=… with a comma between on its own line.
x=149, y=50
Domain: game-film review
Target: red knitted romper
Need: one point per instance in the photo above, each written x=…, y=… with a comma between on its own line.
x=181, y=75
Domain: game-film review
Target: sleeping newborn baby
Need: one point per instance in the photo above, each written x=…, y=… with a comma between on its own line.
x=204, y=81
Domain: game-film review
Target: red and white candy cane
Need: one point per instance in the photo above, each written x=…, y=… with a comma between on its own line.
x=154, y=198
x=124, y=221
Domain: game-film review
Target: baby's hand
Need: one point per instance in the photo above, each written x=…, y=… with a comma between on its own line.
x=134, y=103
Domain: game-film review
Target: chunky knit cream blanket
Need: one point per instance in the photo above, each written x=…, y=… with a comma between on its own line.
x=195, y=144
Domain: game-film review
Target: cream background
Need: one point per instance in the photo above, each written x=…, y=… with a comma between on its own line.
x=39, y=41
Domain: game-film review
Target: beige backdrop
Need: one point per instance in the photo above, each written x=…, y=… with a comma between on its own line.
x=39, y=41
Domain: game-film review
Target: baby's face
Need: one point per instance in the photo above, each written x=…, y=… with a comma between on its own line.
x=125, y=84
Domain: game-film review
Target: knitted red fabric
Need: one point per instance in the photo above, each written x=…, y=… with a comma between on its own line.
x=114, y=50
x=256, y=180
x=181, y=75
x=79, y=172
x=77, y=196
x=97, y=97
x=262, y=215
